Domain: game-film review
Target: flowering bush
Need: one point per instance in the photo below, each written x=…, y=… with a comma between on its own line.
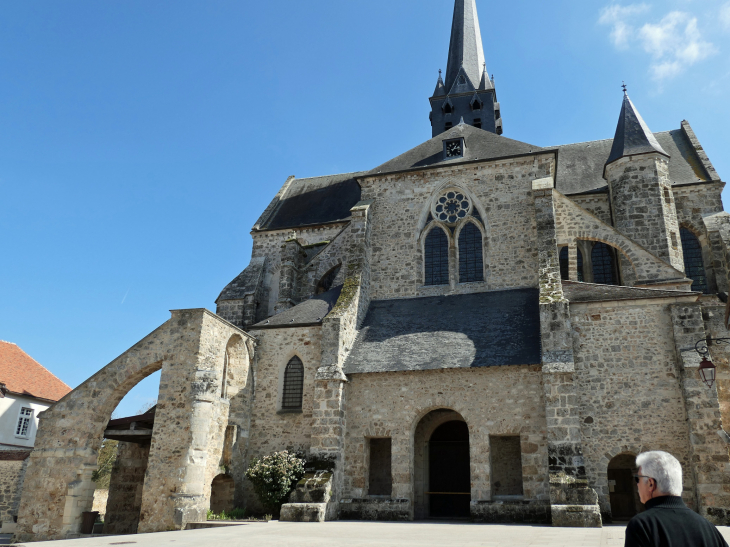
x=274, y=477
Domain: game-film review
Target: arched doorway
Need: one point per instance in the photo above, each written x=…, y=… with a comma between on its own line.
x=221, y=494
x=622, y=490
x=442, y=471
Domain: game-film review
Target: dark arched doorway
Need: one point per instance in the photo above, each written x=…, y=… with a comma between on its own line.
x=449, y=483
x=622, y=490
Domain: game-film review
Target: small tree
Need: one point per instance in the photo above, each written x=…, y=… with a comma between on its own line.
x=107, y=457
x=274, y=477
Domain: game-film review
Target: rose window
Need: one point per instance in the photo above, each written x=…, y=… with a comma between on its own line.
x=451, y=207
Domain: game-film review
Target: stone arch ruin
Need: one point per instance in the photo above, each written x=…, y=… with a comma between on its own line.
x=187, y=440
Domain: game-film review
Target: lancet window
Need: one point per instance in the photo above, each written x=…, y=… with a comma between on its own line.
x=604, y=264
x=694, y=268
x=471, y=262
x=437, y=257
x=293, y=385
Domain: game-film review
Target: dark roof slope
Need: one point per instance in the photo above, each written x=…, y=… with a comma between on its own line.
x=309, y=312
x=580, y=165
x=480, y=144
x=316, y=200
x=576, y=291
x=460, y=331
x=24, y=375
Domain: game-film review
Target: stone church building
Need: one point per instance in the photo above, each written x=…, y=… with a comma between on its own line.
x=478, y=328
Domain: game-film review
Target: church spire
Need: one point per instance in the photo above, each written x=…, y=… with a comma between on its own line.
x=467, y=92
x=465, y=50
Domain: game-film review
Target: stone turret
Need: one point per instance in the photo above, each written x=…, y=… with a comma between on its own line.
x=467, y=92
x=642, y=201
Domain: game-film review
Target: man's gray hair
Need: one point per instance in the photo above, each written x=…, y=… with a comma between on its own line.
x=664, y=468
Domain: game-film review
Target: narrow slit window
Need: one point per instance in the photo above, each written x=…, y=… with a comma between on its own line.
x=694, y=268
x=478, y=123
x=293, y=385
x=580, y=266
x=564, y=269
x=471, y=262
x=437, y=257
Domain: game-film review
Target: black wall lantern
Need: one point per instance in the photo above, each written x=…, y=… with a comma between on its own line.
x=708, y=369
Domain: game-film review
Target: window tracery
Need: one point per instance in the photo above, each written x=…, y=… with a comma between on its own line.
x=451, y=206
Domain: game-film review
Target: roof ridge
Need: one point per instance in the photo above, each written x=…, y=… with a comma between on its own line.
x=602, y=140
x=331, y=175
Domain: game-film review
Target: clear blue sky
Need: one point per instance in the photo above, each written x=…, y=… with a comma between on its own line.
x=139, y=141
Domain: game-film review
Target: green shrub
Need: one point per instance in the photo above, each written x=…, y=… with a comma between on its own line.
x=236, y=514
x=274, y=477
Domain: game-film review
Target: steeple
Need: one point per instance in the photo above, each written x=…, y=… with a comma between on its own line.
x=465, y=50
x=633, y=137
x=467, y=91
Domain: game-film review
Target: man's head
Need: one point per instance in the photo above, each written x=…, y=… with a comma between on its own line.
x=660, y=474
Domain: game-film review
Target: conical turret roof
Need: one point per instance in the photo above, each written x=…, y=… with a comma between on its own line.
x=633, y=137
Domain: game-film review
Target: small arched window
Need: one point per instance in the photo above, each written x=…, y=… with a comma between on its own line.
x=447, y=108
x=293, y=385
x=604, y=265
x=436, y=257
x=328, y=280
x=471, y=262
x=694, y=268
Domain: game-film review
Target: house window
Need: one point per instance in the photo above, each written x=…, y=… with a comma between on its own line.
x=471, y=263
x=694, y=268
x=293, y=385
x=437, y=257
x=24, y=421
x=604, y=265
x=380, y=481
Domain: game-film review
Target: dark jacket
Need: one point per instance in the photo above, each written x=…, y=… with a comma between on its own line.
x=668, y=522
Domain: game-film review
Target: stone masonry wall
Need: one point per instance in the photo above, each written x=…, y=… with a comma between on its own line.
x=492, y=401
x=714, y=319
x=596, y=204
x=628, y=387
x=638, y=186
x=503, y=191
x=272, y=430
x=12, y=472
x=125, y=489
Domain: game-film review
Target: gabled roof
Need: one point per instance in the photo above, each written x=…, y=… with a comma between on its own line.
x=633, y=137
x=312, y=201
x=580, y=165
x=23, y=375
x=480, y=145
x=465, y=49
x=310, y=312
x=460, y=331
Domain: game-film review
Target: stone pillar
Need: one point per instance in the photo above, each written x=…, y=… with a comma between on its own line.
x=572, y=502
x=708, y=452
x=573, y=261
x=124, y=503
x=642, y=204
x=292, y=257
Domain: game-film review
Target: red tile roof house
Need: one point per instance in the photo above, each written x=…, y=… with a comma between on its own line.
x=26, y=389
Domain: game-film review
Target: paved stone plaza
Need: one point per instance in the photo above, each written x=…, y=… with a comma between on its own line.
x=383, y=534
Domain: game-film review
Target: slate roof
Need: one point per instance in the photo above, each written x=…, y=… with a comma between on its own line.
x=316, y=200
x=23, y=375
x=246, y=282
x=458, y=331
x=466, y=51
x=633, y=137
x=309, y=312
x=576, y=291
x=580, y=165
x=480, y=144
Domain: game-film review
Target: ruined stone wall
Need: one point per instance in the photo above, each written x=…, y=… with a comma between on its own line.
x=492, y=401
x=503, y=192
x=124, y=501
x=13, y=464
x=627, y=382
x=272, y=429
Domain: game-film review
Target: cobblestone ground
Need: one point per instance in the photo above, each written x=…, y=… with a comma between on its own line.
x=383, y=534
